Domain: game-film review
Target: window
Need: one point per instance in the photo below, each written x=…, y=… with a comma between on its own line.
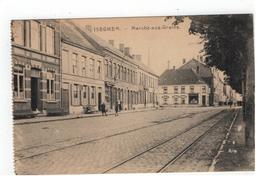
x=65, y=61
x=182, y=100
x=106, y=68
x=115, y=71
x=92, y=95
x=118, y=71
x=74, y=63
x=99, y=69
x=110, y=69
x=35, y=35
x=191, y=89
x=83, y=65
x=183, y=89
x=50, y=86
x=43, y=38
x=165, y=90
x=75, y=94
x=92, y=67
x=18, y=81
x=84, y=95
x=175, y=100
x=50, y=40
x=176, y=90
x=203, y=89
x=18, y=32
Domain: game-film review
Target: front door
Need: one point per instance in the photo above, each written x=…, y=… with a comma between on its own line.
x=65, y=100
x=99, y=100
x=204, y=100
x=34, y=93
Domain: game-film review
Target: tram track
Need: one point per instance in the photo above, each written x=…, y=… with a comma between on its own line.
x=17, y=154
x=178, y=155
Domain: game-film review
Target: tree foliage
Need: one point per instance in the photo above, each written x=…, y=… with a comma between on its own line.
x=225, y=42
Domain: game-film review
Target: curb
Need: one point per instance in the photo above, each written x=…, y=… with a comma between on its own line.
x=20, y=122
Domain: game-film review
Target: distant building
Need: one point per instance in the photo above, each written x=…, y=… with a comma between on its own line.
x=182, y=87
x=212, y=76
x=36, y=66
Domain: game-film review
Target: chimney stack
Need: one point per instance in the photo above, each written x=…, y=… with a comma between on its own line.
x=111, y=42
x=183, y=61
x=121, y=47
x=88, y=28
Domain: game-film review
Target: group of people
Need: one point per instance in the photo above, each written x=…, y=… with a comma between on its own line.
x=118, y=107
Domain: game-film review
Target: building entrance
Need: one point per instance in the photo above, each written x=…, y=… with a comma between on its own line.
x=35, y=93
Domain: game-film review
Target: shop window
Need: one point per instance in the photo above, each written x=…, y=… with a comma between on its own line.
x=50, y=86
x=18, y=82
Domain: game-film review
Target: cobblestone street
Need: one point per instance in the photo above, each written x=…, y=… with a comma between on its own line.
x=97, y=144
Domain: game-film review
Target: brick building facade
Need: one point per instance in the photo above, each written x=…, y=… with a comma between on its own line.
x=36, y=66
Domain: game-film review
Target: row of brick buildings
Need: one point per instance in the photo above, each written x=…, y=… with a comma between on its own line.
x=195, y=83
x=59, y=67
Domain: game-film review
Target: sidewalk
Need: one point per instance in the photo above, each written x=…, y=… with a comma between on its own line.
x=73, y=116
x=236, y=156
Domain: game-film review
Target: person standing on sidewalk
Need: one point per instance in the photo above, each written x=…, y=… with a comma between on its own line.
x=103, y=109
x=116, y=108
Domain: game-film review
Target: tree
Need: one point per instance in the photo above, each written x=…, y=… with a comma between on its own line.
x=225, y=42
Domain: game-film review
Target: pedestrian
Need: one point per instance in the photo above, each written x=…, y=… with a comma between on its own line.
x=116, y=108
x=103, y=109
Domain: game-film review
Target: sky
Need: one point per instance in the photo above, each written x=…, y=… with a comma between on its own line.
x=145, y=38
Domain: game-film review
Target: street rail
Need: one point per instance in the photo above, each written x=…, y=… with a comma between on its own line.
x=176, y=157
x=109, y=136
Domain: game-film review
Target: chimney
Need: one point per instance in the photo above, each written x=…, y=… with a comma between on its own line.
x=183, y=61
x=127, y=51
x=168, y=65
x=88, y=28
x=173, y=67
x=111, y=42
x=121, y=47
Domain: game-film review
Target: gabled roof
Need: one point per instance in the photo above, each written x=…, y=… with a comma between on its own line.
x=70, y=34
x=180, y=77
x=102, y=45
x=204, y=70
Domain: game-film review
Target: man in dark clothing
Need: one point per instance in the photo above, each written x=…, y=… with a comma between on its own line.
x=103, y=109
x=116, y=108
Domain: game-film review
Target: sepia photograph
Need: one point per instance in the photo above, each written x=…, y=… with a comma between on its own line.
x=145, y=94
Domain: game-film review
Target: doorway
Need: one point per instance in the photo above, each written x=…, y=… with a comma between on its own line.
x=34, y=93
x=99, y=100
x=204, y=100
